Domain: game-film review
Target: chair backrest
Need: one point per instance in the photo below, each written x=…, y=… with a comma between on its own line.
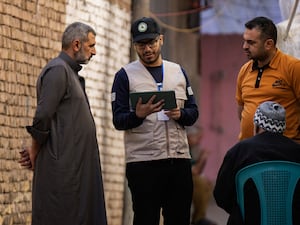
x=275, y=182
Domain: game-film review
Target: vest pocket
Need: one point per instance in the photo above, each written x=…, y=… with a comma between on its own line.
x=180, y=98
x=147, y=125
x=182, y=144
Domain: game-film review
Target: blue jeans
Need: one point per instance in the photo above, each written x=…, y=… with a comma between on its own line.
x=161, y=184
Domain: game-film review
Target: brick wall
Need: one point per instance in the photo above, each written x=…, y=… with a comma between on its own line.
x=30, y=35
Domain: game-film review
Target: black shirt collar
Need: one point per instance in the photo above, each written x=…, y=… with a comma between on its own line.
x=256, y=67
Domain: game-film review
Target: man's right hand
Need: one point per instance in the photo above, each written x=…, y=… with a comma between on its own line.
x=143, y=110
x=28, y=155
x=25, y=161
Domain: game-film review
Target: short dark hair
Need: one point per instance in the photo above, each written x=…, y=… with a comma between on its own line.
x=266, y=26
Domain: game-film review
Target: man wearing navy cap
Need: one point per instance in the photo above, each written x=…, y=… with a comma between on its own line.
x=158, y=167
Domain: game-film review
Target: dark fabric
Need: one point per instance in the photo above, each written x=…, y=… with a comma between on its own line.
x=67, y=183
x=156, y=72
x=165, y=184
x=262, y=147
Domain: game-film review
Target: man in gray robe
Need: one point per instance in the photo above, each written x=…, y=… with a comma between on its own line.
x=67, y=183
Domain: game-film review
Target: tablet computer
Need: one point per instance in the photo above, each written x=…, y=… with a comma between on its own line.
x=168, y=96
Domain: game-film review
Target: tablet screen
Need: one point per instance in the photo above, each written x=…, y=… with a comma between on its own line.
x=168, y=96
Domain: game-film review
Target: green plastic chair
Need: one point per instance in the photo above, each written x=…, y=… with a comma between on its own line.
x=275, y=182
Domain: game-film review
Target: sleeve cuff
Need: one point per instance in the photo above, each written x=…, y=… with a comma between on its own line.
x=39, y=136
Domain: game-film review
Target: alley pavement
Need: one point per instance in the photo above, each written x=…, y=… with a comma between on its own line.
x=216, y=214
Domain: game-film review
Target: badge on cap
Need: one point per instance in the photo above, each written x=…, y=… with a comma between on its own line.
x=142, y=27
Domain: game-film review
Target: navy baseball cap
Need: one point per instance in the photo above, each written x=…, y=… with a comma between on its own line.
x=144, y=28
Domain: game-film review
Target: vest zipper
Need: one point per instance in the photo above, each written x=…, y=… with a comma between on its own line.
x=167, y=139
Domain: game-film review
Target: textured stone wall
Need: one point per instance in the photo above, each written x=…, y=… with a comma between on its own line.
x=30, y=35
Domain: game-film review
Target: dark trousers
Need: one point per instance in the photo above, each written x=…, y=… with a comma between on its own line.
x=161, y=184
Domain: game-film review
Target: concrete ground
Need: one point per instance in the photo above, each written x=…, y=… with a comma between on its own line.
x=216, y=214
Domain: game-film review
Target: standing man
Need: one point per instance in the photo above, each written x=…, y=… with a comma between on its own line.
x=268, y=144
x=158, y=166
x=270, y=75
x=67, y=183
